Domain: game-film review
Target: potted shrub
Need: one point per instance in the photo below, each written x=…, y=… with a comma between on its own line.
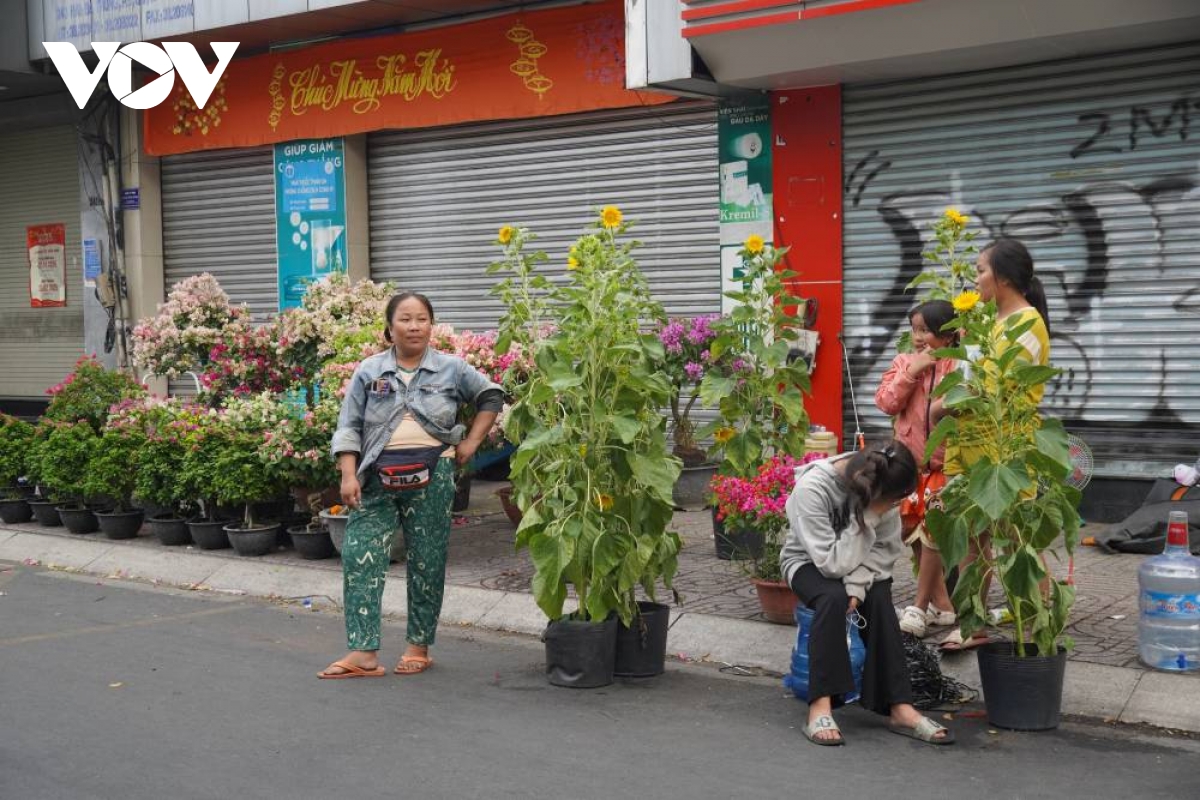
x=760, y=395
x=62, y=473
x=16, y=441
x=203, y=441
x=87, y=394
x=687, y=358
x=593, y=472
x=242, y=479
x=1016, y=492
x=112, y=471
x=163, y=425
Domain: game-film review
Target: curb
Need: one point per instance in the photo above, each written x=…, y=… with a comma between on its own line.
x=1096, y=691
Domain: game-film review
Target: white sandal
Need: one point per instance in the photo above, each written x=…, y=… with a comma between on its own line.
x=824, y=723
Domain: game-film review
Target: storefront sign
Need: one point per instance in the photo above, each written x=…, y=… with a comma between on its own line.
x=310, y=210
x=47, y=245
x=744, y=134
x=534, y=64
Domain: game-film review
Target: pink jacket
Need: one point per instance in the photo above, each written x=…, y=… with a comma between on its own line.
x=908, y=400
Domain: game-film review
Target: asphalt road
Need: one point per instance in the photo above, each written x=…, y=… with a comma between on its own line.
x=117, y=690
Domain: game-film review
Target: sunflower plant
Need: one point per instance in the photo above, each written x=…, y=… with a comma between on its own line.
x=1012, y=488
x=593, y=472
x=760, y=395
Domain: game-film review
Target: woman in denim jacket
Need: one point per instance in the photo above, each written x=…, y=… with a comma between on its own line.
x=401, y=408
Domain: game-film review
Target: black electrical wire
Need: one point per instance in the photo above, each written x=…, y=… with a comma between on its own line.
x=931, y=688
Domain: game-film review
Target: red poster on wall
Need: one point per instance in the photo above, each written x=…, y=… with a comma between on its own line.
x=47, y=246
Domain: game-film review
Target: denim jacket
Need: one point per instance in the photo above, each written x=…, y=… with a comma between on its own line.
x=377, y=400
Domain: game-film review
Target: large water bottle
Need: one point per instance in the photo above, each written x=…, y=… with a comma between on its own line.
x=1169, y=591
x=797, y=679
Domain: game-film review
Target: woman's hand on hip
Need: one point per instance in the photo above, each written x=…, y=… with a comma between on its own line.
x=351, y=491
x=464, y=451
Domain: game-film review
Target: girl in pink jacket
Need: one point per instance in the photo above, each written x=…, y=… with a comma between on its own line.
x=906, y=393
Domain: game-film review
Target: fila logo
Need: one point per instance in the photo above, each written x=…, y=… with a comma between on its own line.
x=118, y=60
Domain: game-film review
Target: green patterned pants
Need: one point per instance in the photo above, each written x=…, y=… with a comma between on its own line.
x=366, y=550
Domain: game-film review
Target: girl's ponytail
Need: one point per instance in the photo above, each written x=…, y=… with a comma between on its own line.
x=1035, y=295
x=888, y=472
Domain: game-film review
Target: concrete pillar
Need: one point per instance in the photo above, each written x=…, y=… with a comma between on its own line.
x=143, y=228
x=358, y=217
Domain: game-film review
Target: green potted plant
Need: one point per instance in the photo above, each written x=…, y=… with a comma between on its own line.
x=687, y=358
x=62, y=473
x=202, y=441
x=593, y=472
x=298, y=450
x=16, y=440
x=760, y=397
x=112, y=470
x=87, y=394
x=1015, y=494
x=242, y=479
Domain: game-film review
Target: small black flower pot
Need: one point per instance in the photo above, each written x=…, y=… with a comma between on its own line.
x=171, y=531
x=642, y=647
x=580, y=655
x=15, y=511
x=45, y=512
x=78, y=519
x=312, y=544
x=736, y=545
x=121, y=524
x=256, y=541
x=209, y=534
x=462, y=493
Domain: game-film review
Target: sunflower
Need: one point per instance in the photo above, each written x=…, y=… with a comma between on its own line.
x=572, y=262
x=723, y=435
x=582, y=450
x=505, y=235
x=610, y=216
x=966, y=301
x=754, y=244
x=604, y=501
x=956, y=217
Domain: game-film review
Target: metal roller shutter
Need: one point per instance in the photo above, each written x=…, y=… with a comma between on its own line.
x=1095, y=164
x=218, y=210
x=38, y=346
x=438, y=196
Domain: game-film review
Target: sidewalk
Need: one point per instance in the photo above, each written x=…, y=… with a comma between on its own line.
x=718, y=621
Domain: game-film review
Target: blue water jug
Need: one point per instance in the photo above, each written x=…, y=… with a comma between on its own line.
x=797, y=679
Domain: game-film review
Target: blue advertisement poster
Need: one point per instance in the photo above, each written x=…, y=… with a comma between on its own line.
x=310, y=209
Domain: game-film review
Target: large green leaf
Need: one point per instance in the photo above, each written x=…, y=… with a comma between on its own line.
x=944, y=428
x=657, y=474
x=1033, y=375
x=627, y=428
x=1020, y=573
x=950, y=536
x=550, y=556
x=994, y=488
x=1051, y=440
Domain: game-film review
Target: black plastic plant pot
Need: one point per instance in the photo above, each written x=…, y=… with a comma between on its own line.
x=45, y=512
x=256, y=541
x=737, y=545
x=642, y=647
x=462, y=494
x=580, y=655
x=78, y=519
x=15, y=511
x=209, y=534
x=171, y=531
x=1021, y=694
x=121, y=524
x=312, y=544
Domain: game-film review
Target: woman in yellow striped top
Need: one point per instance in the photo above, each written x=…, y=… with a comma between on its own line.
x=1004, y=273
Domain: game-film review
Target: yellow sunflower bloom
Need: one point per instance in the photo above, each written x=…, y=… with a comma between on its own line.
x=505, y=235
x=604, y=501
x=754, y=244
x=956, y=217
x=582, y=450
x=572, y=262
x=966, y=301
x=610, y=216
x=723, y=435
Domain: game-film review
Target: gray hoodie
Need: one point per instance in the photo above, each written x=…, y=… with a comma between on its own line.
x=858, y=554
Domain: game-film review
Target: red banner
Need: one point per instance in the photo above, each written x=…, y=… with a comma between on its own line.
x=515, y=66
x=47, y=246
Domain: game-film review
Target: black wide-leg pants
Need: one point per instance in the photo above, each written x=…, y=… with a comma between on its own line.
x=885, y=673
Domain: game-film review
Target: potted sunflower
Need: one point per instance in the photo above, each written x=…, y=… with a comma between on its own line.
x=593, y=472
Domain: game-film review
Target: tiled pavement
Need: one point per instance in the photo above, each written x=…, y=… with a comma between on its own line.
x=482, y=555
